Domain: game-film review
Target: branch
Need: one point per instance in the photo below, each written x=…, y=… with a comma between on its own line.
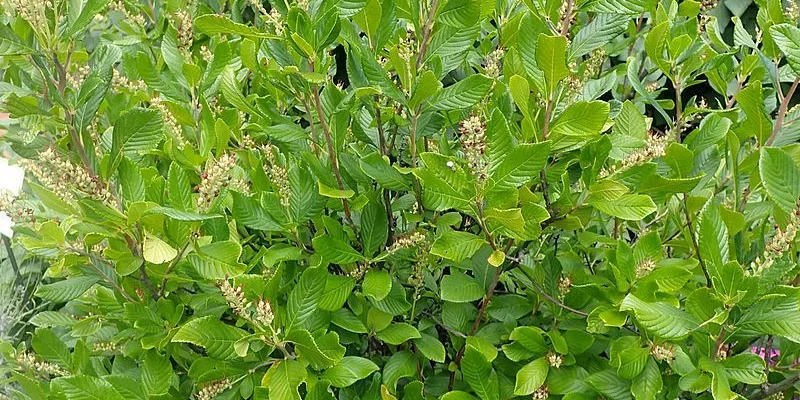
x=426, y=33
x=768, y=390
x=332, y=154
x=694, y=241
x=169, y=270
x=782, y=112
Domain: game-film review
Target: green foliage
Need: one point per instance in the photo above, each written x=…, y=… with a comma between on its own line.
x=366, y=199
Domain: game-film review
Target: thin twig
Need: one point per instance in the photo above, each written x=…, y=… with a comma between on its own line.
x=426, y=33
x=169, y=269
x=332, y=154
x=694, y=241
x=782, y=112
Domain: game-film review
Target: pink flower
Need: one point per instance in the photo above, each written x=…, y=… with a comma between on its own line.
x=762, y=352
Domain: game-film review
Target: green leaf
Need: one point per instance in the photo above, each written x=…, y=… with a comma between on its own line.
x=787, y=37
x=579, y=124
x=374, y=226
x=656, y=45
x=757, y=122
x=231, y=91
x=50, y=347
x=181, y=215
x=85, y=387
x=78, y=21
x=746, y=368
x=445, y=183
x=551, y=58
x=778, y=316
x=322, y=352
x=713, y=130
x=660, y=319
x=336, y=251
x=781, y=177
x=377, y=284
x=456, y=245
x=156, y=374
x=479, y=375
x=402, y=364
x=460, y=13
x=712, y=239
x=11, y=45
x=337, y=289
x=66, y=290
x=304, y=297
x=649, y=383
x=157, y=251
x=398, y=333
x=136, y=133
x=348, y=371
x=531, y=376
x=334, y=193
x=463, y=94
x=460, y=288
x=251, y=212
x=631, y=207
x=219, y=260
x=430, y=347
x=520, y=166
x=378, y=168
x=602, y=30
x=284, y=378
x=211, y=334
x=627, y=7
x=213, y=24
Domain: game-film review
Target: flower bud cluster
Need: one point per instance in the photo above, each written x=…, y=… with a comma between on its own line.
x=63, y=177
x=473, y=140
x=184, y=25
x=654, y=148
x=32, y=11
x=75, y=79
x=564, y=286
x=259, y=314
x=407, y=241
x=213, y=389
x=278, y=174
x=104, y=347
x=206, y=54
x=644, y=267
x=137, y=19
x=651, y=87
x=542, y=393
x=781, y=242
x=358, y=271
x=407, y=46
x=235, y=297
x=663, y=352
x=13, y=207
x=554, y=359
x=170, y=122
x=493, y=65
x=275, y=19
x=563, y=17
x=264, y=313
x=791, y=11
x=258, y=7
x=119, y=81
x=28, y=362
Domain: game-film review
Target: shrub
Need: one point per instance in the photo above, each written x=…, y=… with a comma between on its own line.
x=364, y=199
